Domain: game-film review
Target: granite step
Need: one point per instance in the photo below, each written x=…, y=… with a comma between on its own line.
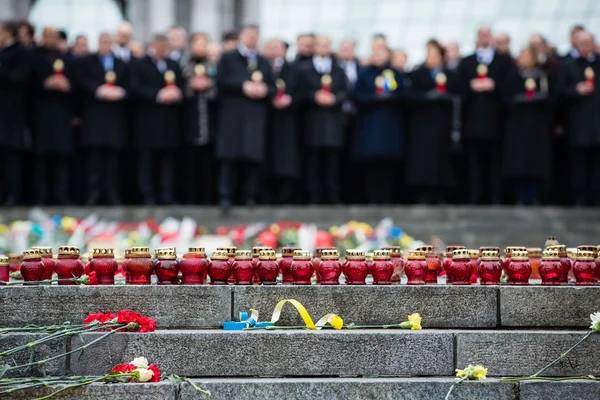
x=207, y=307
x=331, y=389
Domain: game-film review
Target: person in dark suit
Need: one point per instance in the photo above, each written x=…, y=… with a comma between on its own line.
x=528, y=128
x=580, y=83
x=431, y=98
x=157, y=85
x=324, y=89
x=15, y=68
x=102, y=79
x=379, y=138
x=573, y=53
x=482, y=75
x=305, y=47
x=284, y=146
x=246, y=86
x=52, y=117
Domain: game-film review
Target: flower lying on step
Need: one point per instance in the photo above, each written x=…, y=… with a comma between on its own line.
x=133, y=321
x=472, y=373
x=414, y=322
x=136, y=371
x=129, y=317
x=90, y=279
x=595, y=317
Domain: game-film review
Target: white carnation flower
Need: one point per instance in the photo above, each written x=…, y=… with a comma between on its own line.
x=140, y=362
x=144, y=374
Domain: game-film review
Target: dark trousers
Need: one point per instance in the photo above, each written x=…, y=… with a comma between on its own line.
x=103, y=176
x=164, y=161
x=323, y=175
x=527, y=191
x=198, y=182
x=52, y=167
x=484, y=171
x=379, y=182
x=228, y=180
x=585, y=176
x=13, y=177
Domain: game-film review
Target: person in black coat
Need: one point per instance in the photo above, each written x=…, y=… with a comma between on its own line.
x=379, y=138
x=580, y=82
x=246, y=85
x=324, y=89
x=200, y=122
x=52, y=117
x=527, y=142
x=156, y=85
x=15, y=68
x=102, y=79
x=432, y=100
x=482, y=75
x=284, y=146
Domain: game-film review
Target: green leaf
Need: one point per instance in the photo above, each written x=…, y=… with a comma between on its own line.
x=174, y=378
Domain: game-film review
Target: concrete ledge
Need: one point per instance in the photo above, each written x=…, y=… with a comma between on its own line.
x=113, y=391
x=571, y=390
x=42, y=352
x=184, y=306
x=440, y=306
x=545, y=306
x=521, y=353
x=281, y=353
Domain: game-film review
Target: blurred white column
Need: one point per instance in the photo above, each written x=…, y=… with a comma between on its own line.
x=7, y=9
x=212, y=16
x=162, y=15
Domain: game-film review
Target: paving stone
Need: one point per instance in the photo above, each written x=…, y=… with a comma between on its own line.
x=113, y=391
x=571, y=390
x=42, y=352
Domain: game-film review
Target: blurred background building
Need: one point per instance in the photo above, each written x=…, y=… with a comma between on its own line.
x=408, y=24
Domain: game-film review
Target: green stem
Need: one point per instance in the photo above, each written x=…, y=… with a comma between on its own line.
x=547, y=378
x=198, y=388
x=373, y=326
x=67, y=353
x=15, y=283
x=564, y=355
x=453, y=385
x=85, y=383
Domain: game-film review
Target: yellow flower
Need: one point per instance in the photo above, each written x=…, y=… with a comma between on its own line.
x=460, y=373
x=415, y=321
x=479, y=372
x=472, y=373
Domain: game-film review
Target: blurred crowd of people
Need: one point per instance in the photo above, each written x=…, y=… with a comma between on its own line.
x=199, y=121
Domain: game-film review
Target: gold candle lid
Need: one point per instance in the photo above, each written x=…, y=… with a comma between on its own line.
x=585, y=255
x=302, y=255
x=428, y=249
x=15, y=258
x=288, y=251
x=58, y=65
x=243, y=255
x=31, y=254
x=369, y=257
x=550, y=255
x=534, y=252
x=416, y=255
x=382, y=254
x=474, y=253
x=256, y=76
x=110, y=77
x=199, y=69
x=354, y=254
x=267, y=255
x=561, y=248
x=326, y=80
x=168, y=253
x=69, y=251
x=197, y=250
x=319, y=250
x=490, y=255
x=489, y=248
x=512, y=249
x=459, y=254
x=450, y=249
x=103, y=252
x=45, y=251
x=572, y=253
x=3, y=260
x=139, y=252
x=330, y=254
x=280, y=83
x=395, y=251
x=219, y=255
x=169, y=76
x=257, y=249
x=230, y=250
x=589, y=247
x=520, y=255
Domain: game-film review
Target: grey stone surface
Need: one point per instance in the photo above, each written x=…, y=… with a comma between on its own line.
x=571, y=390
x=42, y=352
x=349, y=389
x=440, y=306
x=521, y=353
x=545, y=306
x=113, y=391
x=276, y=353
x=189, y=306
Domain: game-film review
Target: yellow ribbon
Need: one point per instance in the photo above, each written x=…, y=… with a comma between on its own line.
x=332, y=319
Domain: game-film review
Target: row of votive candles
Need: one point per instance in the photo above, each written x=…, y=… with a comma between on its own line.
x=296, y=266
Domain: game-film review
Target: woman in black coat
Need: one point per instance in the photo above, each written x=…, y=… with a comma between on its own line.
x=432, y=100
x=380, y=128
x=528, y=137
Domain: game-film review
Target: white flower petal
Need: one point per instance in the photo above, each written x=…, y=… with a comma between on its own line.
x=595, y=317
x=145, y=374
x=140, y=362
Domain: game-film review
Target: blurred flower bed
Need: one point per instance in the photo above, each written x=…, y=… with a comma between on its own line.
x=56, y=230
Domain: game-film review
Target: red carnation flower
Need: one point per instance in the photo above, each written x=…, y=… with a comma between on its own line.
x=156, y=377
x=103, y=318
x=92, y=279
x=123, y=368
x=88, y=268
x=145, y=324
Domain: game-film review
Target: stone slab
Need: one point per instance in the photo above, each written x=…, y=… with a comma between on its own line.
x=185, y=306
x=440, y=306
x=545, y=306
x=113, y=391
x=348, y=389
x=276, y=353
x=522, y=353
x=42, y=352
x=571, y=390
